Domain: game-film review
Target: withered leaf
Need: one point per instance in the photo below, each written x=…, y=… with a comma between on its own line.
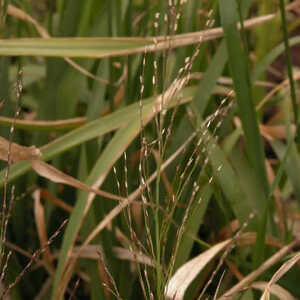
x=33, y=154
x=17, y=152
x=184, y=276
x=51, y=173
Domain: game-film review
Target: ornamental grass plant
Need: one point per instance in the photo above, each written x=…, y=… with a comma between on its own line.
x=149, y=149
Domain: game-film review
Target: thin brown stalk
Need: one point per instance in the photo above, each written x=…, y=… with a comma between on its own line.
x=33, y=258
x=256, y=273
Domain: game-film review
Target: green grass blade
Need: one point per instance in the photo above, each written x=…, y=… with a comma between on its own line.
x=226, y=177
x=73, y=47
x=192, y=226
x=209, y=81
x=248, y=180
x=238, y=64
x=289, y=61
x=292, y=166
x=199, y=104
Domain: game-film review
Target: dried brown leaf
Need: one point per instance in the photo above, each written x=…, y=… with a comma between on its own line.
x=275, y=289
x=126, y=254
x=17, y=152
x=20, y=14
x=89, y=251
x=92, y=252
x=51, y=173
x=33, y=154
x=56, y=201
x=188, y=272
x=39, y=215
x=279, y=273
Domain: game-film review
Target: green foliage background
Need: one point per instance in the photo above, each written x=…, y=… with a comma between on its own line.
x=219, y=179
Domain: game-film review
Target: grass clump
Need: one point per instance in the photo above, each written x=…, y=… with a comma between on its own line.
x=150, y=150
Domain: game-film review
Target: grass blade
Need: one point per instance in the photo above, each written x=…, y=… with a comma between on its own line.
x=239, y=69
x=108, y=47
